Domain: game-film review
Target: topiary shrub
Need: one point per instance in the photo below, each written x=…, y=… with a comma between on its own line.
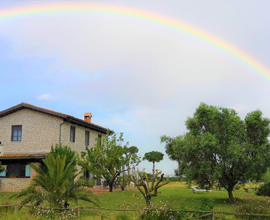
x=264, y=190
x=237, y=186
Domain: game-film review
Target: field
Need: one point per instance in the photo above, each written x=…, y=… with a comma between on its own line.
x=171, y=195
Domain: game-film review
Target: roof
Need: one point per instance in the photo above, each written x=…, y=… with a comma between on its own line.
x=22, y=155
x=65, y=117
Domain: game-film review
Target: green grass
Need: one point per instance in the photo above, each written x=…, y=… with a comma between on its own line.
x=172, y=195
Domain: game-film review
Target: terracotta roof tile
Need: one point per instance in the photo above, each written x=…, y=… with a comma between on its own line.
x=23, y=155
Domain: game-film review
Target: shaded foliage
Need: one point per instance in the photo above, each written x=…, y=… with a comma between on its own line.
x=2, y=168
x=57, y=185
x=264, y=190
x=58, y=149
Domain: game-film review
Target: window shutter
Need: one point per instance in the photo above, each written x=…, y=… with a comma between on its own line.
x=27, y=171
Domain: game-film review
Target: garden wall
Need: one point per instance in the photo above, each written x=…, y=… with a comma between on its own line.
x=13, y=184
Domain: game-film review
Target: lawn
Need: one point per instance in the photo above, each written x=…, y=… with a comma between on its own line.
x=171, y=195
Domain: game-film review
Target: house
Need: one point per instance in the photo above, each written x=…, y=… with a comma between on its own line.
x=27, y=133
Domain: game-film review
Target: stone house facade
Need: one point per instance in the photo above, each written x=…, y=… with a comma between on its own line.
x=27, y=133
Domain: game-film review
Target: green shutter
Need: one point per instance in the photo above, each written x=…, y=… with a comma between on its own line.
x=27, y=170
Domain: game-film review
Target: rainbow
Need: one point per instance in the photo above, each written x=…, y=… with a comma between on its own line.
x=138, y=14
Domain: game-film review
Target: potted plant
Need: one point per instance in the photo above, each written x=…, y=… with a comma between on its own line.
x=13, y=175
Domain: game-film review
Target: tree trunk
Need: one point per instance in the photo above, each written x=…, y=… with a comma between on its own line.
x=153, y=170
x=148, y=201
x=111, y=186
x=230, y=189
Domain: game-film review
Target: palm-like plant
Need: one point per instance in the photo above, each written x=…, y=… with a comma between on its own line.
x=57, y=185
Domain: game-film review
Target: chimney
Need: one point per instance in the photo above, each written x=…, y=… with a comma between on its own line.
x=87, y=117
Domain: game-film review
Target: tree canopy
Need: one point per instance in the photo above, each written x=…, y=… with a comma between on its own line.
x=220, y=146
x=173, y=146
x=58, y=149
x=153, y=156
x=108, y=158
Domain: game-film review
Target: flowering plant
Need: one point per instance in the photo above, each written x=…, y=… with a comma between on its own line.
x=249, y=205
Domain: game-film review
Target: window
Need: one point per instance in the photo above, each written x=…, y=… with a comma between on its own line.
x=99, y=139
x=21, y=170
x=4, y=173
x=72, y=134
x=86, y=174
x=86, y=138
x=16, y=133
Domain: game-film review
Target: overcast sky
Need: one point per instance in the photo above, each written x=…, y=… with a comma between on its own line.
x=136, y=76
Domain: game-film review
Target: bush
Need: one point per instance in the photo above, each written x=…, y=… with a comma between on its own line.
x=159, y=215
x=121, y=216
x=264, y=190
x=201, y=204
x=177, y=179
x=237, y=186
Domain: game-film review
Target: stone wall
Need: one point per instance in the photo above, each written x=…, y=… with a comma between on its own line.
x=39, y=131
x=79, y=144
x=13, y=184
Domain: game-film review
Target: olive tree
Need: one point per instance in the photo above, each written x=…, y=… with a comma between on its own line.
x=221, y=146
x=146, y=187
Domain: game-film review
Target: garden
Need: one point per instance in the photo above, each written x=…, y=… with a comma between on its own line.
x=173, y=196
x=223, y=159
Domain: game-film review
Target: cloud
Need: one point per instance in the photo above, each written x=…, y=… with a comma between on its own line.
x=239, y=108
x=140, y=78
x=44, y=96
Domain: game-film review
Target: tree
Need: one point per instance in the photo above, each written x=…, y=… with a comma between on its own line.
x=220, y=146
x=173, y=147
x=146, y=187
x=61, y=150
x=153, y=156
x=107, y=158
x=130, y=153
x=123, y=181
x=57, y=185
x=266, y=176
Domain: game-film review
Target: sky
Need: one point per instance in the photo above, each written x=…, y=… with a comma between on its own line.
x=136, y=76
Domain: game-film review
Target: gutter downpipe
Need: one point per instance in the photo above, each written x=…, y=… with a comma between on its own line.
x=60, y=133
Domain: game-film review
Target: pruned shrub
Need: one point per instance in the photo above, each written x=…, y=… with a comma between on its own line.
x=264, y=190
x=237, y=186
